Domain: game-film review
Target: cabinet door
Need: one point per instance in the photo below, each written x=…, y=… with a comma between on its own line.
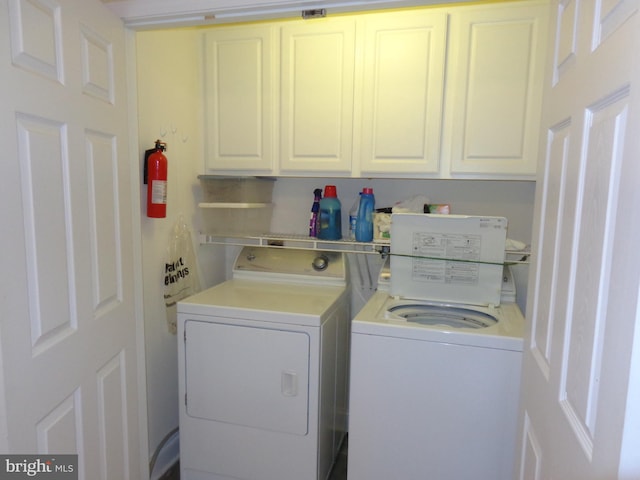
x=497, y=61
x=402, y=92
x=239, y=103
x=317, y=71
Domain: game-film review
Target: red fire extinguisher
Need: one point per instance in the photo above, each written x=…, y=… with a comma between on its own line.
x=157, y=182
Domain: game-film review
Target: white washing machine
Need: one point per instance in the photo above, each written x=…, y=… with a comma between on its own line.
x=262, y=368
x=436, y=356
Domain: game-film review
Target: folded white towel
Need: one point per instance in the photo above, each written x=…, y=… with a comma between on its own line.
x=414, y=204
x=516, y=245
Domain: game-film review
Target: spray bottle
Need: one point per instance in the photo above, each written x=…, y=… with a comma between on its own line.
x=314, y=221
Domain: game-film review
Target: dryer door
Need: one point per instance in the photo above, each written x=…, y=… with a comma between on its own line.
x=249, y=376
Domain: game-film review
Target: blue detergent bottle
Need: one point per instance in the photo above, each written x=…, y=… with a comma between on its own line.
x=364, y=222
x=330, y=215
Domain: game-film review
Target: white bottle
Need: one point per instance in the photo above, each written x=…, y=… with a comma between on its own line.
x=353, y=218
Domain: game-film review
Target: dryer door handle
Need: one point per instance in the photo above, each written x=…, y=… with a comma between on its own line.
x=289, y=384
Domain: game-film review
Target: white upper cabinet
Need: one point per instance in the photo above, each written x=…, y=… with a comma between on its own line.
x=402, y=92
x=496, y=63
x=317, y=62
x=447, y=92
x=239, y=107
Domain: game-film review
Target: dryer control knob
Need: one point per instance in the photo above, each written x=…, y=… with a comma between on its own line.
x=320, y=263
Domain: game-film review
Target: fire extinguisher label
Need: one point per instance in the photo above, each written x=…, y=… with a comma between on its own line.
x=159, y=191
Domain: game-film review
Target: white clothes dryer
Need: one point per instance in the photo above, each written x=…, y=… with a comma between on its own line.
x=436, y=356
x=262, y=368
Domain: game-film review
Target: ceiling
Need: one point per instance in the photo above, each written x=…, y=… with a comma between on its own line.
x=140, y=14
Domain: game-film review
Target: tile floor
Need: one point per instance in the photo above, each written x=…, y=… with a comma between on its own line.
x=339, y=471
x=173, y=473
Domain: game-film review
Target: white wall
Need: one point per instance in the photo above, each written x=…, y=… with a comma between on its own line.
x=293, y=198
x=169, y=109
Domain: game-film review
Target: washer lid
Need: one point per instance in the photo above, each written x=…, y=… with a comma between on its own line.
x=447, y=258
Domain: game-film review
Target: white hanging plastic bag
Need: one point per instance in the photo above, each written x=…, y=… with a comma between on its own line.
x=180, y=271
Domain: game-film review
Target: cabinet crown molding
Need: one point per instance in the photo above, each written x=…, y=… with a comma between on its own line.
x=149, y=14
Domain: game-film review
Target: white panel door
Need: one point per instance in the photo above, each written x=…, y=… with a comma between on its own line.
x=68, y=312
x=580, y=407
